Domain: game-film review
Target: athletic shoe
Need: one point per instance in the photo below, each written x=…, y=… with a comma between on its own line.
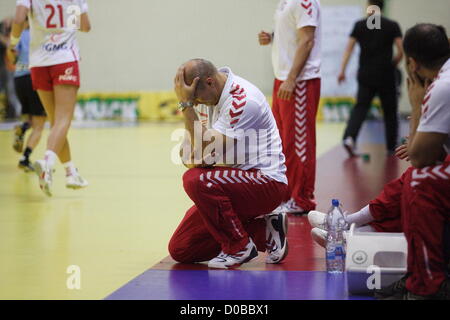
x=18, y=138
x=75, y=181
x=394, y=291
x=45, y=176
x=350, y=145
x=292, y=208
x=226, y=261
x=26, y=165
x=319, y=236
x=276, y=237
x=281, y=208
x=317, y=219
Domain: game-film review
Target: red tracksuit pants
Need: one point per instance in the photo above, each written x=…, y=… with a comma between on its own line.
x=296, y=121
x=227, y=204
x=418, y=204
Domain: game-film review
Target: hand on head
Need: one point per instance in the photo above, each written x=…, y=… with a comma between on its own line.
x=185, y=90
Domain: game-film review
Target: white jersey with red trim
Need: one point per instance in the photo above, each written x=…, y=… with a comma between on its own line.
x=244, y=114
x=436, y=106
x=290, y=16
x=53, y=27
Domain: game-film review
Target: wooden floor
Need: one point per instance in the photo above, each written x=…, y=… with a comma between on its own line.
x=351, y=180
x=302, y=275
x=114, y=230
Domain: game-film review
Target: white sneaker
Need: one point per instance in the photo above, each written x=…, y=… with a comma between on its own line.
x=317, y=219
x=276, y=237
x=226, y=261
x=75, y=181
x=45, y=176
x=292, y=207
x=319, y=236
x=281, y=208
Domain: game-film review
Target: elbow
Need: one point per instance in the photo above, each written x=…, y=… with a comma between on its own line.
x=309, y=44
x=418, y=161
x=415, y=159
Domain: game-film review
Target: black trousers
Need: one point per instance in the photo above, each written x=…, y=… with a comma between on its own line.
x=389, y=103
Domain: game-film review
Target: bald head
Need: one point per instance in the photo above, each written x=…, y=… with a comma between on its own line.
x=200, y=68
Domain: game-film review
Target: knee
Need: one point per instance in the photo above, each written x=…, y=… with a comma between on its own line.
x=179, y=253
x=192, y=179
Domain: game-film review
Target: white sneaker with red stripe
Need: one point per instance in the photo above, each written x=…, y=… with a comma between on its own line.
x=75, y=181
x=276, y=237
x=45, y=176
x=227, y=261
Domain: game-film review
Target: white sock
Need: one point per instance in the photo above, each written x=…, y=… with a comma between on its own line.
x=71, y=170
x=50, y=158
x=361, y=217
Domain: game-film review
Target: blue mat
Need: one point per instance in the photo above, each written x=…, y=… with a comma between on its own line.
x=235, y=285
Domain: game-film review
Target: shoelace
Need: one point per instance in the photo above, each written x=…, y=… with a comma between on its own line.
x=272, y=246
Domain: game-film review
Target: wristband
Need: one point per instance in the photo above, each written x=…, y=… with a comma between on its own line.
x=13, y=41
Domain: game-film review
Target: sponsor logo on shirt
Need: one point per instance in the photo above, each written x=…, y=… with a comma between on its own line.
x=52, y=47
x=68, y=76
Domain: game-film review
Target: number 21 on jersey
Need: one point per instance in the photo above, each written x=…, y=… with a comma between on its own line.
x=72, y=22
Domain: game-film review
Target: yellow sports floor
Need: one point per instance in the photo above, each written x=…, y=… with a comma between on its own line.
x=114, y=230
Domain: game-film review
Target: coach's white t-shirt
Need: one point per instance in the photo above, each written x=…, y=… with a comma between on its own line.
x=436, y=106
x=53, y=30
x=290, y=16
x=244, y=114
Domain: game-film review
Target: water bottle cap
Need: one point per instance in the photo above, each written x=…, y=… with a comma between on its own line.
x=335, y=203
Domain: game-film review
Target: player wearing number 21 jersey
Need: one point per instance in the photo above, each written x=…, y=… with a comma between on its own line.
x=54, y=56
x=53, y=27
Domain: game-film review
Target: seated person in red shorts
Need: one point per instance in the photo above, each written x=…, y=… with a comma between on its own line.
x=418, y=203
x=236, y=175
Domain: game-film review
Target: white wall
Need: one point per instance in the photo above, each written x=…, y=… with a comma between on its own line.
x=138, y=44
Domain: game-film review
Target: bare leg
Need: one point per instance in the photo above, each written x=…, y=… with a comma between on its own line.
x=65, y=100
x=60, y=106
x=37, y=126
x=48, y=101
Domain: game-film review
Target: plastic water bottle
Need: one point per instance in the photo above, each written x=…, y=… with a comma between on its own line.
x=335, y=246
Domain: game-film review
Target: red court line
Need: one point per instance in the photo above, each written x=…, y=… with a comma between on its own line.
x=352, y=181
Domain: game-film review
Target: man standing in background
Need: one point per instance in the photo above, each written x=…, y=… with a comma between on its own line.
x=376, y=75
x=296, y=62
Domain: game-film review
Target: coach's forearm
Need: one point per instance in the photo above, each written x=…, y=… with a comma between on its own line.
x=413, y=125
x=301, y=56
x=196, y=131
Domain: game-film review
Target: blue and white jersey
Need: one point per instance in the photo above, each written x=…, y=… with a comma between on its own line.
x=23, y=49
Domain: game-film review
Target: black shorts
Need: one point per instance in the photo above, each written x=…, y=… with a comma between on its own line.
x=29, y=99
